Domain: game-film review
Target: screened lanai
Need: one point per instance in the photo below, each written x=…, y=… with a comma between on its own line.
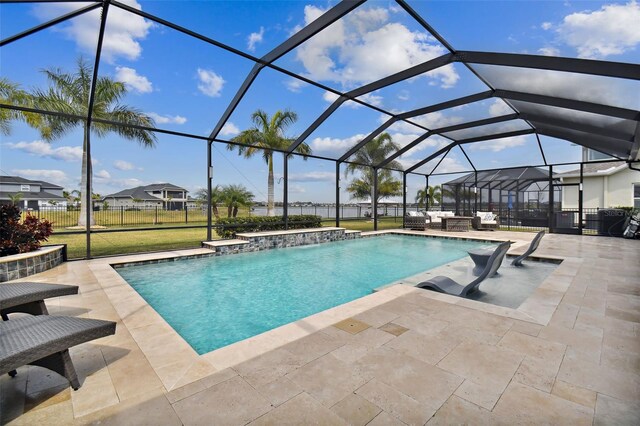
x=455, y=105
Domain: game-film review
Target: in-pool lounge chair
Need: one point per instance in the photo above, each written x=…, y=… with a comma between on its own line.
x=45, y=340
x=447, y=285
x=532, y=247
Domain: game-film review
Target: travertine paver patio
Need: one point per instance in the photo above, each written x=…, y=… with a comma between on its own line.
x=413, y=357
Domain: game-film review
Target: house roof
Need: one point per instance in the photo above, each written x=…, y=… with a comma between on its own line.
x=22, y=181
x=596, y=169
x=141, y=191
x=42, y=195
x=158, y=186
x=137, y=192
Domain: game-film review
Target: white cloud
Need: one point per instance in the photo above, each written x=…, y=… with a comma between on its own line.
x=546, y=25
x=366, y=47
x=122, y=35
x=297, y=189
x=52, y=176
x=549, y=51
x=44, y=149
x=167, y=119
x=126, y=183
x=294, y=85
x=498, y=145
x=330, y=96
x=611, y=30
x=210, y=83
x=254, y=38
x=335, y=144
x=369, y=98
x=102, y=174
x=229, y=129
x=451, y=165
x=123, y=165
x=404, y=95
x=499, y=108
x=133, y=80
x=315, y=176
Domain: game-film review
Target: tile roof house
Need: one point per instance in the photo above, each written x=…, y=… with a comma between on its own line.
x=34, y=194
x=163, y=195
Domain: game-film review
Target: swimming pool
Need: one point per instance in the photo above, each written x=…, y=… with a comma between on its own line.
x=215, y=301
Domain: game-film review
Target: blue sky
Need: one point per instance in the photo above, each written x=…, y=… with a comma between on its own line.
x=186, y=84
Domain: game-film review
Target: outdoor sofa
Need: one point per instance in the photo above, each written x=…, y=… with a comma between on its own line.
x=485, y=221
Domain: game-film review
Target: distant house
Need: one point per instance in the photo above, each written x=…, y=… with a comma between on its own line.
x=33, y=194
x=604, y=185
x=164, y=195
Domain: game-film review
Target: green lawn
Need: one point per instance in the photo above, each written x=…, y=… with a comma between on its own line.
x=113, y=243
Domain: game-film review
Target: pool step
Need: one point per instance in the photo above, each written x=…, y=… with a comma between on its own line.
x=226, y=246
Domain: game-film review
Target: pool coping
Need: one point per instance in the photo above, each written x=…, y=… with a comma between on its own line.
x=182, y=365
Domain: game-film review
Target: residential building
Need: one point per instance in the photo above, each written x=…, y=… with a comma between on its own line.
x=604, y=185
x=164, y=195
x=31, y=194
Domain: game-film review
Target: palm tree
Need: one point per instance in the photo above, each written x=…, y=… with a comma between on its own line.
x=371, y=154
x=10, y=93
x=69, y=93
x=216, y=198
x=266, y=136
x=235, y=196
x=429, y=195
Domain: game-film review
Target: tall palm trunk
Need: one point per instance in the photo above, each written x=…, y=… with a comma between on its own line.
x=82, y=219
x=373, y=194
x=270, y=205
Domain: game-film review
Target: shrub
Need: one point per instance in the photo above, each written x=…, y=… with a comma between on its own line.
x=229, y=227
x=16, y=237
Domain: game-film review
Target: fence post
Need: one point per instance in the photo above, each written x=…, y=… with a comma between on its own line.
x=156, y=221
x=186, y=214
x=121, y=215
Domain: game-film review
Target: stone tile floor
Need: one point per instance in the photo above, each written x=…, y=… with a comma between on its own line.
x=414, y=357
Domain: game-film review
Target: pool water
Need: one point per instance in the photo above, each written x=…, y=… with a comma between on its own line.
x=215, y=301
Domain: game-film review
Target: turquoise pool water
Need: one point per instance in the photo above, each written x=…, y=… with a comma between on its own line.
x=215, y=301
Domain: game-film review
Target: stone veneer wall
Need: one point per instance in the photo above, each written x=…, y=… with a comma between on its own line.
x=26, y=264
x=259, y=242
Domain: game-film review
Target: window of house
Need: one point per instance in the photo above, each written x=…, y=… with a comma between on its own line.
x=636, y=195
x=25, y=188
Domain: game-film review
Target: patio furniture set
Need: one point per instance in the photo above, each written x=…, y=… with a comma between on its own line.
x=39, y=338
x=448, y=221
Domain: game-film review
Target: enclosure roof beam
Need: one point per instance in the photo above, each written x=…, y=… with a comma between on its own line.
x=609, y=146
x=446, y=129
x=366, y=140
x=612, y=111
x=326, y=19
x=376, y=85
x=581, y=127
x=496, y=136
x=553, y=63
x=634, y=154
x=50, y=23
x=432, y=156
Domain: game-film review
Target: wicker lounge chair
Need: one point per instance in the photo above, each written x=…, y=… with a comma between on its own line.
x=532, y=247
x=29, y=297
x=447, y=285
x=44, y=341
